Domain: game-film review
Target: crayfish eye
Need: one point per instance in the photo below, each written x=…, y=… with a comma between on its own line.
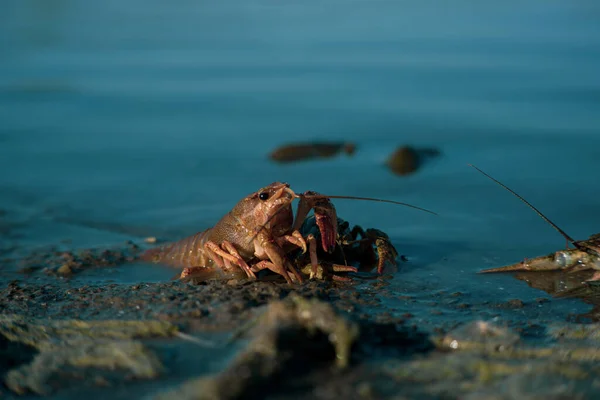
x=263, y=196
x=563, y=259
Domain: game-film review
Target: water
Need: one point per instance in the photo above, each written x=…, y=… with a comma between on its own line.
x=124, y=120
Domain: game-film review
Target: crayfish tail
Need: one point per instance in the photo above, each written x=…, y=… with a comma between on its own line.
x=156, y=254
x=186, y=252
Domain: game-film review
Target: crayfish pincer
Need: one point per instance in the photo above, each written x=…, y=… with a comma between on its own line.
x=257, y=234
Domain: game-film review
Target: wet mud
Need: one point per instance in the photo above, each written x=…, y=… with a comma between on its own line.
x=63, y=337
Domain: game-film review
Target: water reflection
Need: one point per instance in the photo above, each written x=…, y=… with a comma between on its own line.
x=563, y=284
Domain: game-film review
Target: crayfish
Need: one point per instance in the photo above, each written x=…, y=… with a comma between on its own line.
x=260, y=233
x=585, y=255
x=354, y=246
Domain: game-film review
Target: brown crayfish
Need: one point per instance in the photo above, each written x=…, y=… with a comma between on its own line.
x=585, y=255
x=259, y=233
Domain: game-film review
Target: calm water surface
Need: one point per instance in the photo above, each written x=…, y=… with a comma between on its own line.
x=125, y=119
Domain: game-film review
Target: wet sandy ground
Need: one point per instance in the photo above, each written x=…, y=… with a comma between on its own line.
x=65, y=333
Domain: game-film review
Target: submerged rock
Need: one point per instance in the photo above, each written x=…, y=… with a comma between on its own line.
x=47, y=334
x=576, y=332
x=406, y=160
x=461, y=374
x=311, y=150
x=288, y=332
x=67, y=350
x=479, y=335
x=52, y=369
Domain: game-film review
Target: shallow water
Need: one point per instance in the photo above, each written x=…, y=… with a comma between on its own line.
x=125, y=120
x=122, y=120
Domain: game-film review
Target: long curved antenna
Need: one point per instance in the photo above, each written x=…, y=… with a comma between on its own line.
x=371, y=199
x=538, y=212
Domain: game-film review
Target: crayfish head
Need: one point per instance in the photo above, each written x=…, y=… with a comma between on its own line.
x=269, y=208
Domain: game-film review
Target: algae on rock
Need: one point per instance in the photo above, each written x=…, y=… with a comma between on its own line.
x=285, y=330
x=70, y=347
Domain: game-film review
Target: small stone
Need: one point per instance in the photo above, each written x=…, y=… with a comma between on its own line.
x=515, y=303
x=64, y=270
x=480, y=335
x=364, y=390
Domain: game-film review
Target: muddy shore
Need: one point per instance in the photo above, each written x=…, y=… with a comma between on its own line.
x=63, y=338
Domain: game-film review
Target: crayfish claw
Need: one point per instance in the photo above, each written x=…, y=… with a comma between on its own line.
x=386, y=252
x=328, y=228
x=325, y=217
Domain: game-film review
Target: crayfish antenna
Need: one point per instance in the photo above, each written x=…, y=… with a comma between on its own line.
x=538, y=212
x=373, y=199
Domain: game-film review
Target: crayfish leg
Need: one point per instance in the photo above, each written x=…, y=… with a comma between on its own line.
x=328, y=271
x=339, y=278
x=312, y=251
x=277, y=257
x=266, y=264
x=343, y=268
x=230, y=255
x=295, y=238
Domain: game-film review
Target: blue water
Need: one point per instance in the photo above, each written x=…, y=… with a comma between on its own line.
x=128, y=119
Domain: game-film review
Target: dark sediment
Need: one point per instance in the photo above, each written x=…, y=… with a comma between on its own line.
x=63, y=337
